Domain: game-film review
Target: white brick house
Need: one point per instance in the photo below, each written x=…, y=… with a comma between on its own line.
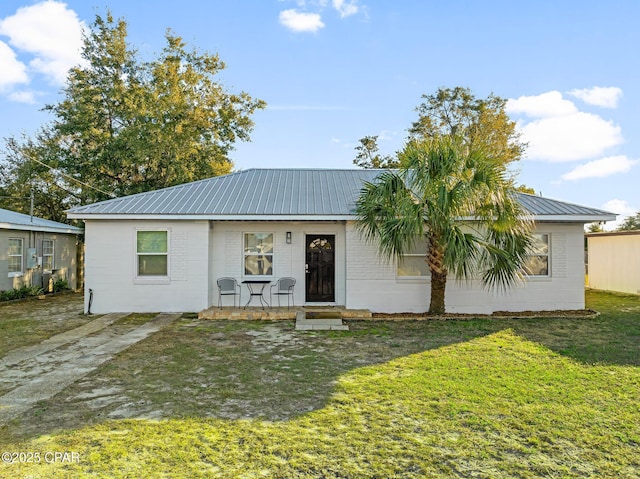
x=164, y=250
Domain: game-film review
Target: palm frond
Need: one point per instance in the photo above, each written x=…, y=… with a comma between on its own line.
x=441, y=185
x=388, y=214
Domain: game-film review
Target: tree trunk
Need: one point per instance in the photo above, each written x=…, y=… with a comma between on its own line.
x=438, y=277
x=438, y=284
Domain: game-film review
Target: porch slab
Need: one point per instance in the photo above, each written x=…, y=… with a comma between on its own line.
x=270, y=314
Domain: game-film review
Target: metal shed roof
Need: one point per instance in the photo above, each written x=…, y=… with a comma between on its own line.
x=11, y=220
x=282, y=194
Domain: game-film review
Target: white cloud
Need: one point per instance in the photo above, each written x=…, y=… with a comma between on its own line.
x=569, y=138
x=345, y=9
x=623, y=210
x=620, y=207
x=300, y=21
x=559, y=131
x=601, y=168
x=49, y=31
x=606, y=97
x=23, y=97
x=387, y=135
x=311, y=19
x=546, y=105
x=13, y=71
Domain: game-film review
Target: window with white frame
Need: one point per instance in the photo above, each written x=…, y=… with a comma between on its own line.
x=413, y=264
x=258, y=254
x=152, y=251
x=537, y=263
x=48, y=254
x=16, y=256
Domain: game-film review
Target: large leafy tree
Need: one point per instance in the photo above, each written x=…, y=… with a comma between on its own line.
x=459, y=203
x=455, y=112
x=594, y=228
x=631, y=223
x=25, y=175
x=480, y=123
x=125, y=125
x=368, y=155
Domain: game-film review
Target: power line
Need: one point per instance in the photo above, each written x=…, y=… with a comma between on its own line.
x=74, y=179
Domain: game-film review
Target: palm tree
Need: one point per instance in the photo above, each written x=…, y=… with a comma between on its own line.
x=460, y=203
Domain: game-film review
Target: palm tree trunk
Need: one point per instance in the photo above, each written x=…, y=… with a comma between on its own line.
x=438, y=285
x=435, y=260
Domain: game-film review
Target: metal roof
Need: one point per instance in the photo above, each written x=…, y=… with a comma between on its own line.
x=539, y=205
x=282, y=194
x=11, y=220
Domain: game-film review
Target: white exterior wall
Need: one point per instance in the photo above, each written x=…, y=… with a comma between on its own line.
x=372, y=283
x=614, y=262
x=226, y=253
x=202, y=251
x=110, y=267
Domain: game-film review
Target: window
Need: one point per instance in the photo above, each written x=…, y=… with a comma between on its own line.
x=15, y=256
x=413, y=264
x=537, y=263
x=47, y=255
x=152, y=251
x=258, y=254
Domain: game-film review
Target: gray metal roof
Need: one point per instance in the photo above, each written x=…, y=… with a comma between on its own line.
x=277, y=193
x=541, y=206
x=11, y=220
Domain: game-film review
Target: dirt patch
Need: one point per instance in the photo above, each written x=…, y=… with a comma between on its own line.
x=31, y=321
x=33, y=379
x=266, y=369
x=55, y=307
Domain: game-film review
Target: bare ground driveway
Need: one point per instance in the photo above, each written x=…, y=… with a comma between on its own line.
x=37, y=371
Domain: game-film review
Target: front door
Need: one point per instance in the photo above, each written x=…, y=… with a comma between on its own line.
x=320, y=268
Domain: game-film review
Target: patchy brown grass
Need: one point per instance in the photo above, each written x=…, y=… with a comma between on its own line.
x=31, y=321
x=479, y=397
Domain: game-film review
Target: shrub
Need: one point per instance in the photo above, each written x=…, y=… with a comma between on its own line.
x=60, y=284
x=20, y=293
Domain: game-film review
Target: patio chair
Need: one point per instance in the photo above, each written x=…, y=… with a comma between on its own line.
x=229, y=287
x=283, y=287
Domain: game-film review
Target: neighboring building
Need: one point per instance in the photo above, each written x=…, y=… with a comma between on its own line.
x=32, y=250
x=614, y=261
x=164, y=250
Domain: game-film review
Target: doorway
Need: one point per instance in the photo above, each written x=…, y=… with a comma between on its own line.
x=320, y=268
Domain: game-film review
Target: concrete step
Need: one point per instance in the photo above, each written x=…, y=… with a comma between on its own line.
x=309, y=327
x=324, y=322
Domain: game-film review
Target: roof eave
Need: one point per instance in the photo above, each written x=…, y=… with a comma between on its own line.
x=196, y=217
x=255, y=217
x=575, y=218
x=72, y=230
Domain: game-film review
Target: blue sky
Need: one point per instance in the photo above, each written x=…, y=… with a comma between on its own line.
x=333, y=71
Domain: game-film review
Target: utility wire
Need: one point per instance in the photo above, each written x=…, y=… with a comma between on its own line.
x=74, y=179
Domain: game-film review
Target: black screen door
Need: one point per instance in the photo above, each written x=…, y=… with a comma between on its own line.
x=320, y=268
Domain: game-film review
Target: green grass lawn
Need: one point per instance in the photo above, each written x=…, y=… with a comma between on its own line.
x=487, y=398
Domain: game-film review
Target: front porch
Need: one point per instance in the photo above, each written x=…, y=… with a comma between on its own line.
x=277, y=313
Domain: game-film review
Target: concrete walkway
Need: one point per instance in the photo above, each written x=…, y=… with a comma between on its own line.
x=35, y=373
